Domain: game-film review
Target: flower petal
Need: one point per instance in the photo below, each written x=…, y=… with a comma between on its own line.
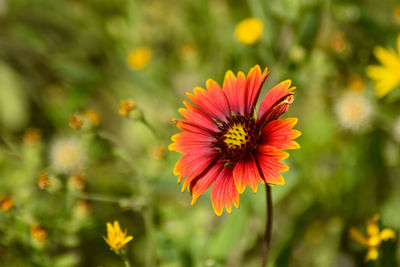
x=234, y=89
x=372, y=225
x=192, y=164
x=387, y=234
x=110, y=230
x=387, y=56
x=212, y=101
x=357, y=236
x=242, y=93
x=224, y=191
x=186, y=142
x=201, y=183
x=384, y=78
x=280, y=95
x=279, y=134
x=195, y=117
x=268, y=158
x=117, y=228
x=128, y=238
x=372, y=254
x=254, y=83
x=246, y=172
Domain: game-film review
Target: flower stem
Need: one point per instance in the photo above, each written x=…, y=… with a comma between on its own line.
x=268, y=225
x=125, y=259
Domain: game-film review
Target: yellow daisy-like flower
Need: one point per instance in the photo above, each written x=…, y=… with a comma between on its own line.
x=374, y=237
x=116, y=239
x=39, y=233
x=92, y=116
x=140, y=57
x=356, y=83
x=249, y=30
x=6, y=203
x=386, y=76
x=396, y=12
x=32, y=136
x=125, y=107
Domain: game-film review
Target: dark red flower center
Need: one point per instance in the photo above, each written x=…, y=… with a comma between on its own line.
x=238, y=138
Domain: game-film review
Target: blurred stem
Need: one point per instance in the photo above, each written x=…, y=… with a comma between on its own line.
x=268, y=225
x=96, y=197
x=148, y=223
x=114, y=140
x=123, y=202
x=149, y=126
x=125, y=259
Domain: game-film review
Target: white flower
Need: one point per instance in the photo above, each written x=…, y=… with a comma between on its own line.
x=67, y=155
x=354, y=112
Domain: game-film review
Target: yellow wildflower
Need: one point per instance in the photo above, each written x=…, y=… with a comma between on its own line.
x=356, y=83
x=158, y=152
x=385, y=76
x=75, y=121
x=43, y=180
x=187, y=51
x=78, y=180
x=39, y=233
x=6, y=202
x=116, y=239
x=249, y=30
x=374, y=237
x=338, y=42
x=125, y=107
x=139, y=58
x=93, y=116
x=396, y=12
x=32, y=136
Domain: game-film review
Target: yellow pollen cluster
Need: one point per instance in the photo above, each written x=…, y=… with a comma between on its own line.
x=236, y=136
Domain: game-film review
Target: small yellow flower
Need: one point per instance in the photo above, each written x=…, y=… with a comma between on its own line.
x=356, y=83
x=374, y=237
x=39, y=233
x=386, y=76
x=249, y=30
x=396, y=12
x=43, y=180
x=140, y=57
x=32, y=136
x=75, y=121
x=78, y=180
x=187, y=51
x=158, y=152
x=125, y=107
x=338, y=42
x=6, y=203
x=116, y=239
x=93, y=116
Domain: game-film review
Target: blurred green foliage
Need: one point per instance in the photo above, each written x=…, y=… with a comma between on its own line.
x=58, y=58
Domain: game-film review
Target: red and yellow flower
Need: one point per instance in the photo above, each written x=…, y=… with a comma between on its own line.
x=227, y=144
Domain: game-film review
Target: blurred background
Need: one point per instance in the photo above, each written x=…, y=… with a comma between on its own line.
x=72, y=157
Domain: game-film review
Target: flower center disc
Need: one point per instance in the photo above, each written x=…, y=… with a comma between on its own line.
x=238, y=138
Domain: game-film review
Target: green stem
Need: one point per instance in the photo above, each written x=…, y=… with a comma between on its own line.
x=136, y=205
x=124, y=257
x=97, y=197
x=268, y=225
x=149, y=126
